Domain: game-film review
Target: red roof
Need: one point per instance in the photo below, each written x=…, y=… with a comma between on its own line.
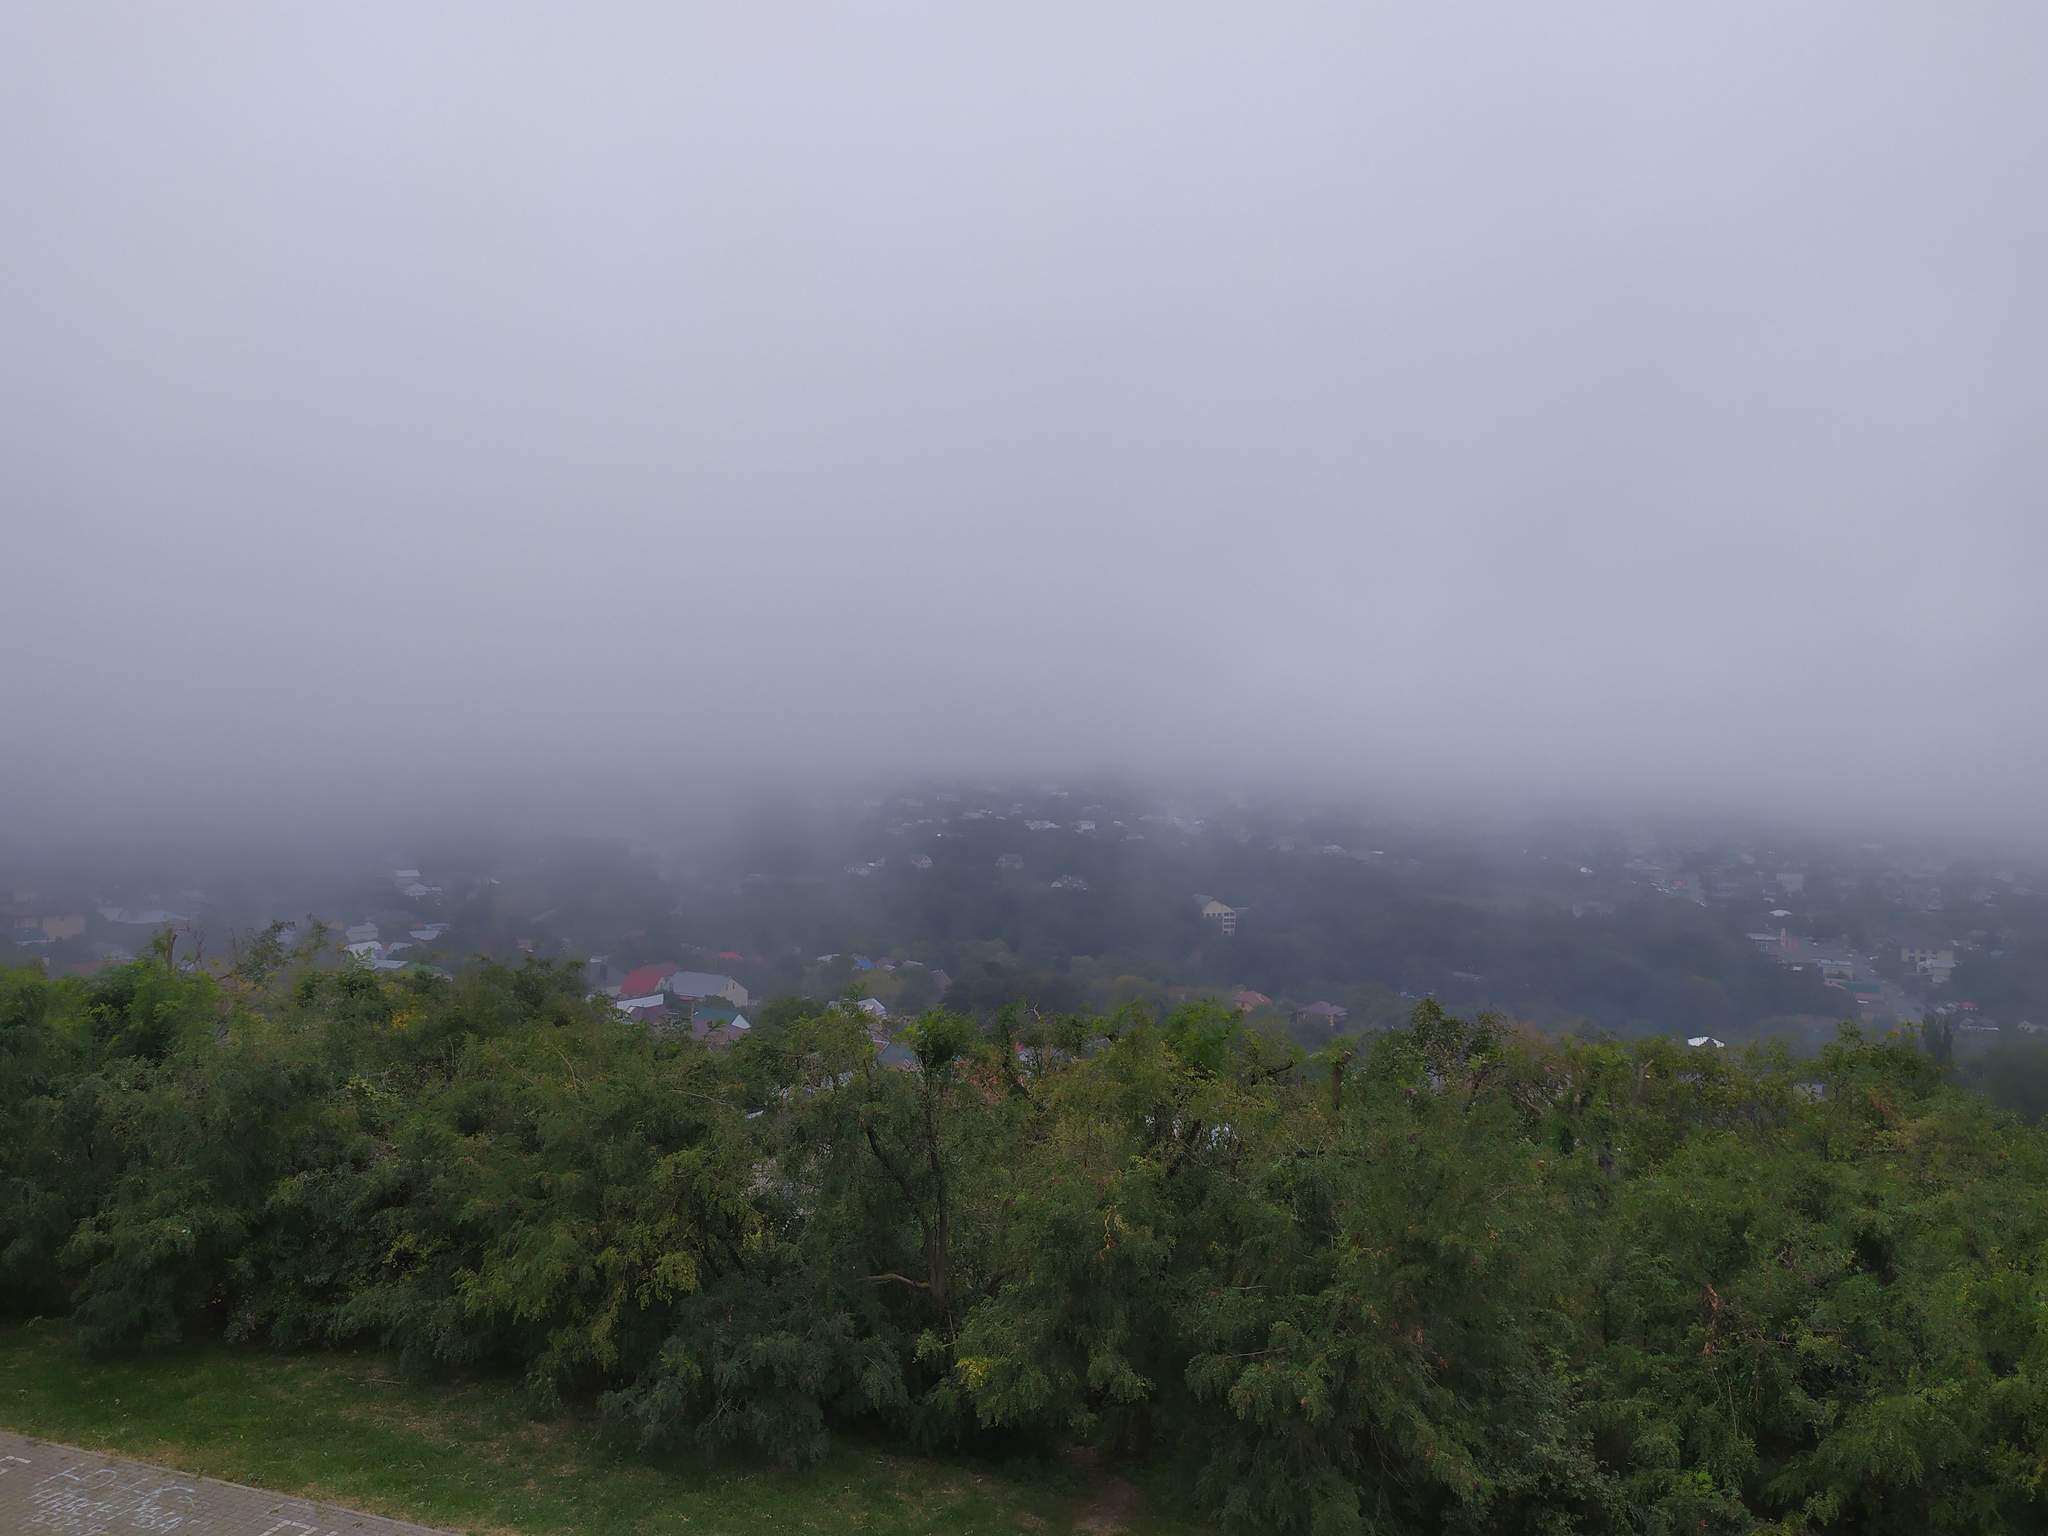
x=728, y=954
x=646, y=979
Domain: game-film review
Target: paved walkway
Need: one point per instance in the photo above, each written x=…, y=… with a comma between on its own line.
x=59, y=1490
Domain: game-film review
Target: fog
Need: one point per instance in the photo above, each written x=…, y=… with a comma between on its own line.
x=536, y=408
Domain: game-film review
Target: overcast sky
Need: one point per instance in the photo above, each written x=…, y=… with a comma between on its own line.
x=428, y=401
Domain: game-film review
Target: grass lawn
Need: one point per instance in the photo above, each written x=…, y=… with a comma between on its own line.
x=469, y=1454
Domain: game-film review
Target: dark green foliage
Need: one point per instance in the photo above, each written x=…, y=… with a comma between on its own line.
x=2013, y=1074
x=1463, y=1279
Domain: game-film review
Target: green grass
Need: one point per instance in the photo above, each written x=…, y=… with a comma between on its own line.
x=470, y=1455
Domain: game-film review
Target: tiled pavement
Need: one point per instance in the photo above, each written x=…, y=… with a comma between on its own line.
x=59, y=1490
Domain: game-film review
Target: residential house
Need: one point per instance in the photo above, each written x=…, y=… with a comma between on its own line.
x=644, y=979
x=1324, y=1013
x=143, y=917
x=55, y=922
x=1223, y=917
x=897, y=1058
x=696, y=986
x=1245, y=1000
x=1010, y=861
x=1920, y=951
x=718, y=1028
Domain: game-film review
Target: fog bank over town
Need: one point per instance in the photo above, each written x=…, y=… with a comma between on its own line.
x=601, y=420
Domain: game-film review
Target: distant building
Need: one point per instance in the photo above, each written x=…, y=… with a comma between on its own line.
x=699, y=985
x=142, y=917
x=648, y=979
x=1792, y=884
x=1919, y=951
x=361, y=933
x=55, y=922
x=1010, y=861
x=920, y=861
x=1245, y=1000
x=1324, y=1013
x=719, y=1033
x=1070, y=883
x=1223, y=917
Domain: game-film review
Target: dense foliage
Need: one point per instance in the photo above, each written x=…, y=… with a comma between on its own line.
x=1465, y=1279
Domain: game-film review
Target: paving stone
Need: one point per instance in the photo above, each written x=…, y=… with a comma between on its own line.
x=59, y=1490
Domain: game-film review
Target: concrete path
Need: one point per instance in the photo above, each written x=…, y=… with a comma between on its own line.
x=59, y=1490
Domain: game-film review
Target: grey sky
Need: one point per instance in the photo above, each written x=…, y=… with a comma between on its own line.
x=409, y=401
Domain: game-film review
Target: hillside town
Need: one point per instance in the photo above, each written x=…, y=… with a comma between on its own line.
x=1310, y=922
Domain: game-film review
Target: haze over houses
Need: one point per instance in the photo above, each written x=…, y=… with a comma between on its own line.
x=1826, y=914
